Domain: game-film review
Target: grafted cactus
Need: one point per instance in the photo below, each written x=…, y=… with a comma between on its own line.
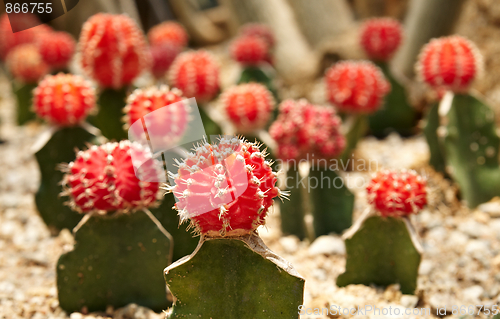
x=119, y=252
x=168, y=32
x=461, y=130
x=224, y=277
x=113, y=52
x=382, y=248
x=63, y=101
x=57, y=49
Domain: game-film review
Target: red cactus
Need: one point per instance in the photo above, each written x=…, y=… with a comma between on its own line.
x=9, y=40
x=248, y=106
x=451, y=63
x=102, y=178
x=381, y=37
x=303, y=128
x=395, y=193
x=26, y=64
x=168, y=32
x=356, y=87
x=225, y=189
x=64, y=99
x=163, y=55
x=259, y=30
x=196, y=73
x=56, y=48
x=113, y=49
x=249, y=50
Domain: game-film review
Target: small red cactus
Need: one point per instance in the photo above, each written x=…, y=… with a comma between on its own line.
x=225, y=189
x=249, y=50
x=303, y=128
x=395, y=193
x=196, y=73
x=113, y=49
x=26, y=64
x=9, y=40
x=248, y=106
x=259, y=30
x=168, y=32
x=451, y=63
x=356, y=87
x=381, y=37
x=64, y=99
x=102, y=178
x=163, y=55
x=56, y=48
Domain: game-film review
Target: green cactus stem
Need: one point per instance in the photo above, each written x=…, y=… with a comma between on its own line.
x=116, y=260
x=210, y=126
x=396, y=114
x=60, y=148
x=356, y=127
x=234, y=278
x=24, y=97
x=185, y=243
x=332, y=202
x=381, y=251
x=292, y=208
x=109, y=117
x=471, y=147
x=436, y=160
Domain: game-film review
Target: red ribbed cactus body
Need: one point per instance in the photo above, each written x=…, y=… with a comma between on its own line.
x=9, y=40
x=304, y=130
x=64, y=99
x=356, y=87
x=168, y=32
x=249, y=50
x=225, y=189
x=196, y=73
x=451, y=63
x=102, y=178
x=26, y=64
x=381, y=37
x=397, y=193
x=259, y=30
x=56, y=48
x=248, y=106
x=163, y=55
x=113, y=50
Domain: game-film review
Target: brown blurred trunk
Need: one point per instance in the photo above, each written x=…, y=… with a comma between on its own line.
x=426, y=19
x=379, y=8
x=295, y=60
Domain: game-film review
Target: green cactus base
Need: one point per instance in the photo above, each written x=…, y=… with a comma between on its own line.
x=291, y=209
x=396, y=115
x=332, y=202
x=357, y=128
x=116, y=260
x=229, y=278
x=435, y=147
x=256, y=74
x=211, y=128
x=59, y=149
x=471, y=149
x=184, y=242
x=381, y=252
x=109, y=118
x=24, y=97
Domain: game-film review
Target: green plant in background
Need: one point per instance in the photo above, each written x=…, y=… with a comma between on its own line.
x=310, y=134
x=114, y=58
x=380, y=38
x=382, y=248
x=231, y=273
x=461, y=131
x=120, y=246
x=27, y=67
x=63, y=101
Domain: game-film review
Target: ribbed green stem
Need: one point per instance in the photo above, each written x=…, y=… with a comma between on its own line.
x=435, y=147
x=24, y=97
x=358, y=126
x=59, y=149
x=109, y=118
x=292, y=210
x=211, y=128
x=332, y=202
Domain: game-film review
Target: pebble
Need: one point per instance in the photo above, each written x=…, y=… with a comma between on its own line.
x=491, y=208
x=425, y=267
x=290, y=244
x=328, y=245
x=473, y=228
x=473, y=294
x=409, y=301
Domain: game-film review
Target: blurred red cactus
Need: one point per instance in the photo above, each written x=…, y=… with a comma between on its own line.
x=56, y=48
x=26, y=64
x=163, y=55
x=259, y=30
x=249, y=50
x=168, y=32
x=381, y=37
